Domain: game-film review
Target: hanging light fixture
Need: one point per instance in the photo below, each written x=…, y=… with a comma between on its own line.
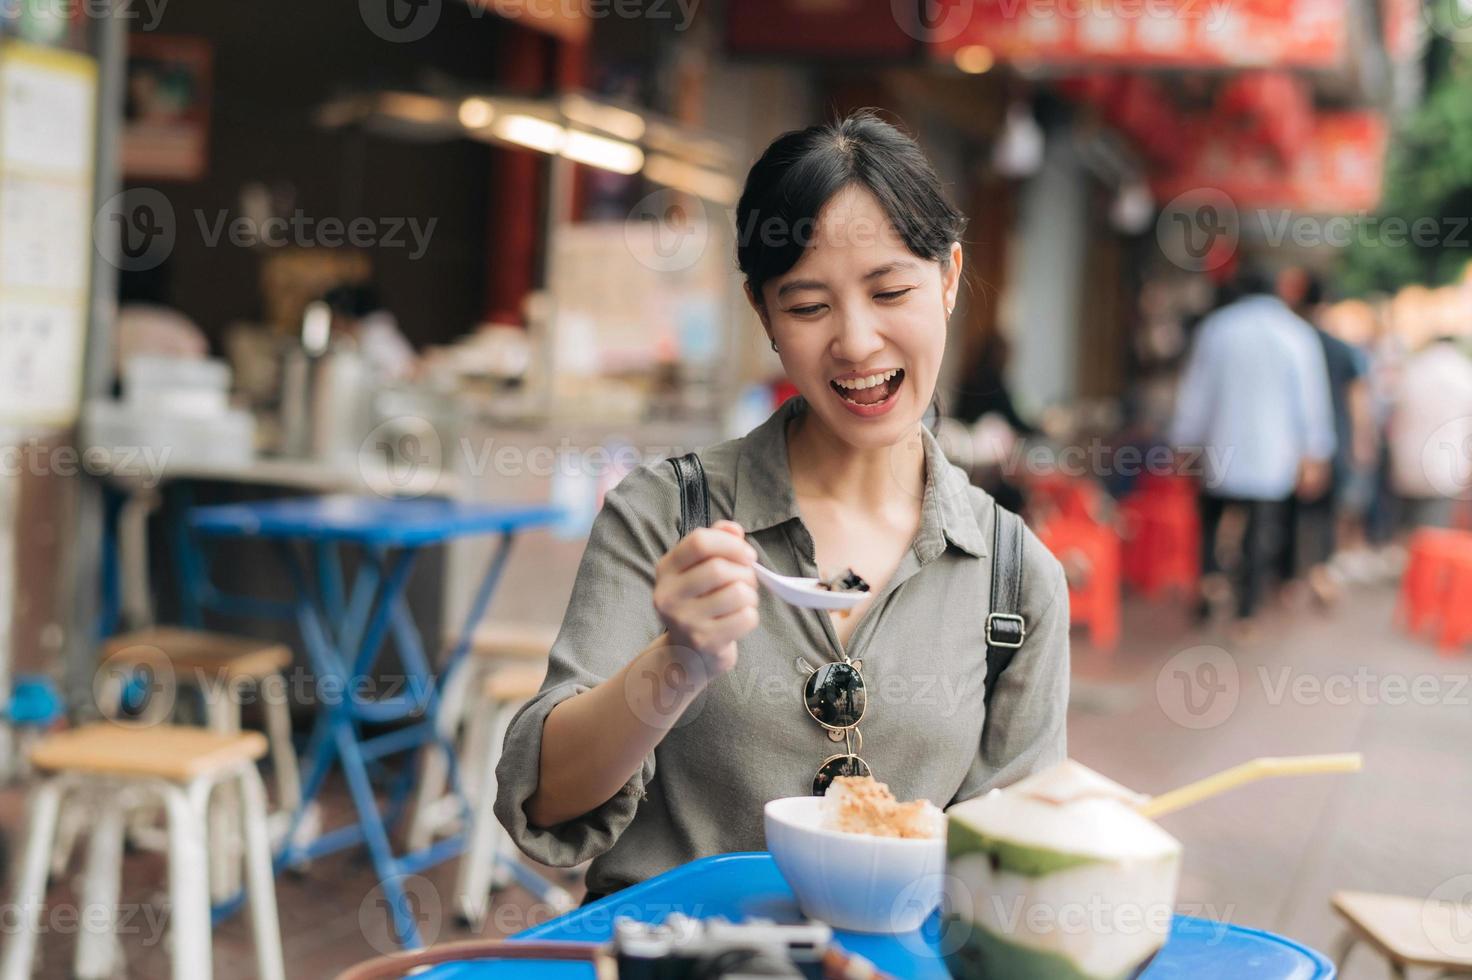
x=1019, y=150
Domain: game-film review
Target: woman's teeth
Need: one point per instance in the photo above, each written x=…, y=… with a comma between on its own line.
x=858, y=384
x=872, y=389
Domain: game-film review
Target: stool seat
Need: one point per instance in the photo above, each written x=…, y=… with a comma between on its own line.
x=176, y=753
x=189, y=650
x=1408, y=931
x=518, y=682
x=518, y=641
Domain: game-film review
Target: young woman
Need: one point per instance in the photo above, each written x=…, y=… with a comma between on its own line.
x=680, y=698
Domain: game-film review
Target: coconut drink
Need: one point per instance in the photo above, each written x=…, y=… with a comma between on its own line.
x=1057, y=877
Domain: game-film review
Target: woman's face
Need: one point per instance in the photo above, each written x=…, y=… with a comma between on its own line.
x=860, y=322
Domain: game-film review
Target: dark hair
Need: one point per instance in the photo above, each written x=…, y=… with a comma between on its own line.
x=802, y=170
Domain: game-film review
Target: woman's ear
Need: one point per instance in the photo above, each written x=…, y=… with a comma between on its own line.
x=951, y=276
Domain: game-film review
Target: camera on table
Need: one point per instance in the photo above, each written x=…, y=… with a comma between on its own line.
x=682, y=948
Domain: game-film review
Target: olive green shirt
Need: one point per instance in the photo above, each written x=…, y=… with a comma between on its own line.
x=747, y=738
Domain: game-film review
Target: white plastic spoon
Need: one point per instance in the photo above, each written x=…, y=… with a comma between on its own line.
x=806, y=593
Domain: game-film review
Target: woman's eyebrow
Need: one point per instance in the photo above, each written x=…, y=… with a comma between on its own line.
x=887, y=268
x=899, y=265
x=796, y=284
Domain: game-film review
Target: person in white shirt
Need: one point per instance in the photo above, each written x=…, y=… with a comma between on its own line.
x=1254, y=404
x=1430, y=434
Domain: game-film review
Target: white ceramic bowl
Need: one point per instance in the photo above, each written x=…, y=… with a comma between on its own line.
x=854, y=881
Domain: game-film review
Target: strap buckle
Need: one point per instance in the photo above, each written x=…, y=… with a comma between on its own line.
x=1005, y=630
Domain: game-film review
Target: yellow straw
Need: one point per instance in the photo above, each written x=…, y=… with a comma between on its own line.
x=1264, y=768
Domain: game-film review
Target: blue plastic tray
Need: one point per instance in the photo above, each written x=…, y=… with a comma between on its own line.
x=739, y=886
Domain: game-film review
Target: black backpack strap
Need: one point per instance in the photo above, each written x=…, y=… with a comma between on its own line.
x=694, y=493
x=1005, y=627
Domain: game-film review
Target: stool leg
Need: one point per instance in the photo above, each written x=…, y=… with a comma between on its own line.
x=96, y=945
x=435, y=773
x=222, y=707
x=278, y=731
x=478, y=862
x=261, y=883
x=189, y=884
x=30, y=882
x=68, y=828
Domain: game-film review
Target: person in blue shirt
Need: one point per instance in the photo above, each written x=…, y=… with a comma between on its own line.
x=1253, y=406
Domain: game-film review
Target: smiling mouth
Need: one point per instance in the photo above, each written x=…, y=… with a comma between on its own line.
x=873, y=390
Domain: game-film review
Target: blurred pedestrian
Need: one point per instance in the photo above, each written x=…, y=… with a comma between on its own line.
x=985, y=405
x=1254, y=401
x=1431, y=426
x=1363, y=498
x=1309, y=539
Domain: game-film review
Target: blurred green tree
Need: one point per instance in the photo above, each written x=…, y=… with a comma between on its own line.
x=1428, y=172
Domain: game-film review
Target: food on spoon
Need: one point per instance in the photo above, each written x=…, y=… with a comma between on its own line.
x=847, y=580
x=1058, y=876
x=862, y=805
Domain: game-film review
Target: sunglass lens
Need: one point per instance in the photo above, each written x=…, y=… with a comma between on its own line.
x=835, y=695
x=839, y=765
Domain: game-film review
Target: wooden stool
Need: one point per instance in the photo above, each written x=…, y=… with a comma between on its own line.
x=117, y=767
x=225, y=670
x=502, y=696
x=494, y=645
x=1407, y=932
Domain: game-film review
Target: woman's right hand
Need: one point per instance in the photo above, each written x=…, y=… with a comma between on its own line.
x=705, y=593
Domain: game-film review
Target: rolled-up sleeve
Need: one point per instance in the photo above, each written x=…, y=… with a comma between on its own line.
x=1027, y=714
x=610, y=619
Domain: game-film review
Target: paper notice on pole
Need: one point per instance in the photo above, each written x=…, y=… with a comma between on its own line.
x=46, y=123
x=40, y=360
x=47, y=100
x=44, y=240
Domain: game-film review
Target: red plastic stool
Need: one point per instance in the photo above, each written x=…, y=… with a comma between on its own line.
x=1090, y=556
x=1430, y=555
x=1056, y=495
x=1456, y=604
x=1162, y=535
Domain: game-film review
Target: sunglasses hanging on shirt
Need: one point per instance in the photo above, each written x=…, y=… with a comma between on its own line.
x=835, y=697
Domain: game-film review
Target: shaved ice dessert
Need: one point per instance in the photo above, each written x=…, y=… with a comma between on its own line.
x=863, y=805
x=1058, y=877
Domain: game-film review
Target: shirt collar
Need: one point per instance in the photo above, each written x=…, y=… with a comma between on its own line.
x=763, y=493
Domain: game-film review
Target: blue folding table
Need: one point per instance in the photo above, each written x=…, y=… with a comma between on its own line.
x=343, y=629
x=748, y=885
